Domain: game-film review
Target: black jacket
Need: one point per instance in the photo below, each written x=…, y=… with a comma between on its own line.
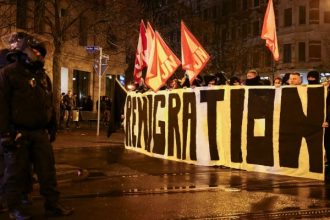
x=26, y=100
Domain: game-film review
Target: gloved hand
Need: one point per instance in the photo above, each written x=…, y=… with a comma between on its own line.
x=52, y=137
x=52, y=127
x=9, y=140
x=52, y=130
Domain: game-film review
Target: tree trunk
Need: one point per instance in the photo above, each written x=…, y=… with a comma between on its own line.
x=57, y=80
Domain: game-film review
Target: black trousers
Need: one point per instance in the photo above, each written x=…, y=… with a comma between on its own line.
x=2, y=170
x=33, y=148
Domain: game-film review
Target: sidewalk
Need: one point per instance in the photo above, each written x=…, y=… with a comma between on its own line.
x=85, y=136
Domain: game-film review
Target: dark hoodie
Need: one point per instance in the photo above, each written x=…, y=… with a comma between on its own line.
x=253, y=82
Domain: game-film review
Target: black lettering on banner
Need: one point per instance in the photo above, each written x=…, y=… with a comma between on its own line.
x=134, y=120
x=236, y=116
x=261, y=106
x=159, y=139
x=212, y=97
x=189, y=114
x=148, y=142
x=143, y=120
x=294, y=125
x=128, y=120
x=173, y=123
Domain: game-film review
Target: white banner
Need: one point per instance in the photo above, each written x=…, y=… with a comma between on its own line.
x=265, y=129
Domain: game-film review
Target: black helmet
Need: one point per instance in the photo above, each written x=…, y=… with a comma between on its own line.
x=21, y=40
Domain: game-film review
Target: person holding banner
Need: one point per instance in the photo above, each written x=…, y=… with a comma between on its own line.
x=295, y=79
x=252, y=78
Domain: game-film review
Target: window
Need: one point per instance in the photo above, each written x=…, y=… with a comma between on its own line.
x=288, y=17
x=315, y=4
x=83, y=31
x=314, y=51
x=302, y=52
x=287, y=53
x=233, y=33
x=39, y=13
x=245, y=5
x=314, y=12
x=256, y=3
x=256, y=30
x=214, y=12
x=205, y=14
x=256, y=59
x=21, y=21
x=234, y=5
x=225, y=8
x=205, y=39
x=80, y=84
x=302, y=14
x=327, y=17
x=224, y=35
x=314, y=16
x=63, y=12
x=268, y=57
x=244, y=31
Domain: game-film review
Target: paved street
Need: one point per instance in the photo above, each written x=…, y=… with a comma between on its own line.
x=102, y=180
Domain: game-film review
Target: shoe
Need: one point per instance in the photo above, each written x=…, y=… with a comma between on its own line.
x=19, y=214
x=26, y=200
x=57, y=209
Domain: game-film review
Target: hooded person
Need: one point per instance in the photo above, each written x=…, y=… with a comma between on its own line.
x=210, y=79
x=313, y=77
x=234, y=81
x=285, y=79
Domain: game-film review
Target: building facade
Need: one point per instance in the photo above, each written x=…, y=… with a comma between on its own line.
x=230, y=31
x=78, y=72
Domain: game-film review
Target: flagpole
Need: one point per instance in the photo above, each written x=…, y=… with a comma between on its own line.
x=273, y=69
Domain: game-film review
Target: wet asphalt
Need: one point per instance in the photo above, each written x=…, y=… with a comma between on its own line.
x=102, y=180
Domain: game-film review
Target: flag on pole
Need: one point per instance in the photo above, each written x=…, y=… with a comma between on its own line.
x=194, y=56
x=140, y=60
x=150, y=37
x=162, y=64
x=269, y=30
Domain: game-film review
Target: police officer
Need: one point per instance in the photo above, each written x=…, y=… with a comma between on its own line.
x=3, y=62
x=27, y=126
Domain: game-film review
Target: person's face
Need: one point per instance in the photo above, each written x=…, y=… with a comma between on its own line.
x=294, y=80
x=211, y=83
x=250, y=75
x=311, y=78
x=277, y=83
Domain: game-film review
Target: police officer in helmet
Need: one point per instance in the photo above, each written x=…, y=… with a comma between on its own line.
x=27, y=126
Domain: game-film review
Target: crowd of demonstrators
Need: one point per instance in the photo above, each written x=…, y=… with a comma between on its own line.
x=27, y=128
x=253, y=79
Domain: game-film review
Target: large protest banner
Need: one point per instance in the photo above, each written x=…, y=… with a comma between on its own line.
x=264, y=129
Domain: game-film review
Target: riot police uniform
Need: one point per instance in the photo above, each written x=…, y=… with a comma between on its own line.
x=26, y=124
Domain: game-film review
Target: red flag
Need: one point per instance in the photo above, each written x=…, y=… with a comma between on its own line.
x=269, y=31
x=140, y=61
x=150, y=37
x=162, y=64
x=194, y=57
